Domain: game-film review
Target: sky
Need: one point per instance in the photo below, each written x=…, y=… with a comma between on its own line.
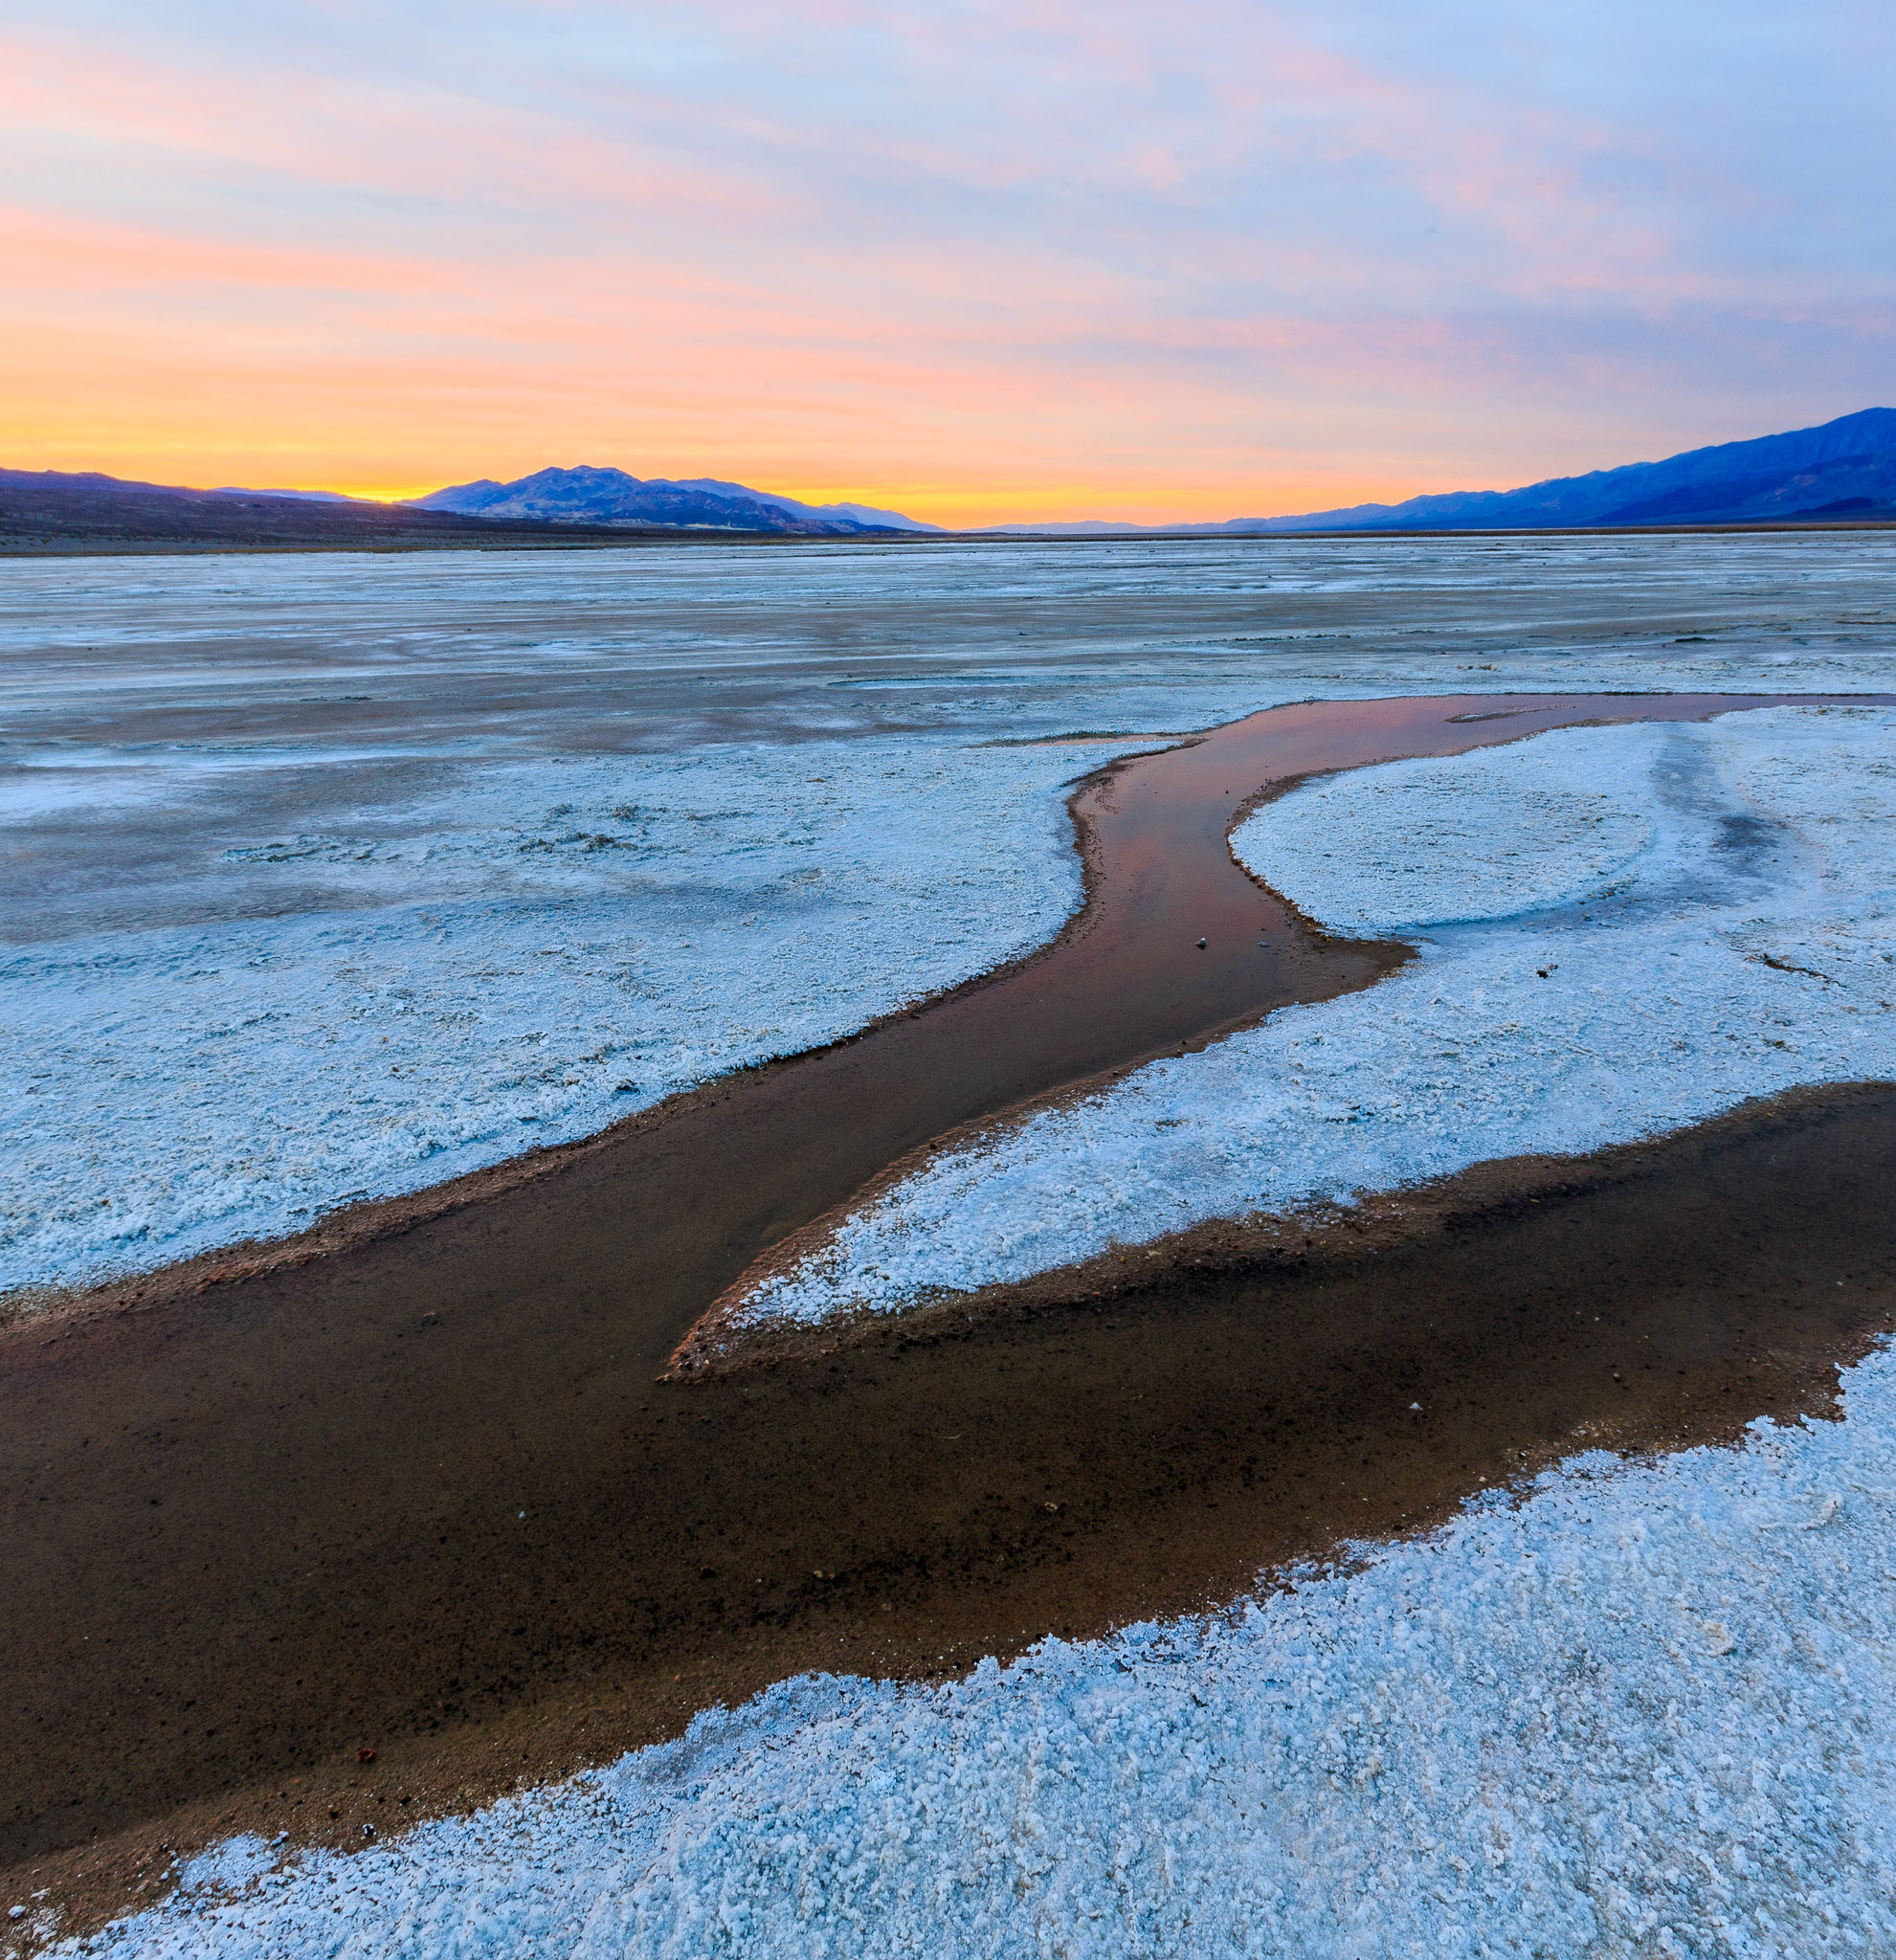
x=976, y=261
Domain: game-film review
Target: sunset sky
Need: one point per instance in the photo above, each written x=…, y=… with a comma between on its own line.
x=977, y=261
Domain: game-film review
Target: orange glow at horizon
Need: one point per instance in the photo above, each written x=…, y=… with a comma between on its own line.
x=369, y=493
x=971, y=506
x=220, y=406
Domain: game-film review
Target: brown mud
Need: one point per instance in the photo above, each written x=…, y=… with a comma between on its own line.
x=422, y=1494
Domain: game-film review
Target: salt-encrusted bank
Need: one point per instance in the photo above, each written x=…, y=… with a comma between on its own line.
x=1623, y=930
x=330, y=877
x=518, y=961
x=1651, y=1710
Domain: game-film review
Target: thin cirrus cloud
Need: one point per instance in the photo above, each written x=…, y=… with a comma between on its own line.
x=984, y=262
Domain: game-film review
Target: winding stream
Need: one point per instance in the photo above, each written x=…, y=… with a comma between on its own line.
x=403, y=1490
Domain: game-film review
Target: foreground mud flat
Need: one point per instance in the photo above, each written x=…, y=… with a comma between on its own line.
x=1624, y=1695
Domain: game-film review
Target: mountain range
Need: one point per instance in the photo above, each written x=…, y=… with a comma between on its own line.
x=56, y=511
x=1845, y=469
x=1841, y=471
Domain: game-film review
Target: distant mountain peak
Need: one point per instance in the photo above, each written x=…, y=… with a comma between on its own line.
x=589, y=493
x=1793, y=475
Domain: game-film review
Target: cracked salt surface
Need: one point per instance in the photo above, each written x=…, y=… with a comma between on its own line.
x=1622, y=932
x=327, y=877
x=1648, y=1709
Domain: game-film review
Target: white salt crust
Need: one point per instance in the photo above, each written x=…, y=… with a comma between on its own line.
x=1622, y=932
x=325, y=878
x=555, y=946
x=1650, y=1709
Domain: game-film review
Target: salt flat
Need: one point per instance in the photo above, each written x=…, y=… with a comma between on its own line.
x=269, y=946
x=330, y=878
